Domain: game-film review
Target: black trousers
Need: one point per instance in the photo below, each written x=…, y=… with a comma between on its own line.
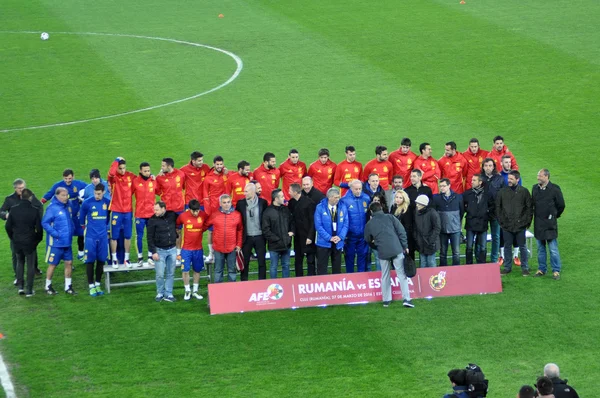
x=258, y=244
x=23, y=256
x=323, y=256
x=99, y=270
x=14, y=258
x=301, y=250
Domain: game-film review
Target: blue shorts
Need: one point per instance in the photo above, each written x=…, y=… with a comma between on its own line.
x=120, y=221
x=95, y=250
x=193, y=259
x=55, y=254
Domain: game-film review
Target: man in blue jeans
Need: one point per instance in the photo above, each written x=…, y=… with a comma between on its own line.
x=162, y=238
x=427, y=231
x=548, y=205
x=278, y=229
x=449, y=206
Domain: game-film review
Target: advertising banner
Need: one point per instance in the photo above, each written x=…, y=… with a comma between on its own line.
x=314, y=291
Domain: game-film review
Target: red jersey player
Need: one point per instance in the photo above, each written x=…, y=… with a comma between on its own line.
x=170, y=182
x=239, y=180
x=322, y=171
x=474, y=156
x=429, y=167
x=499, y=150
x=195, y=172
x=192, y=226
x=121, y=187
x=380, y=166
x=292, y=171
x=268, y=175
x=454, y=167
x=144, y=190
x=215, y=184
x=347, y=170
x=403, y=160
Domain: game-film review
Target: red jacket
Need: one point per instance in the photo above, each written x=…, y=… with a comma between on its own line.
x=192, y=229
x=194, y=176
x=345, y=172
x=431, y=172
x=497, y=156
x=291, y=174
x=121, y=189
x=269, y=180
x=474, y=162
x=454, y=169
x=170, y=188
x=385, y=171
x=214, y=185
x=237, y=183
x=227, y=230
x=403, y=165
x=322, y=174
x=145, y=196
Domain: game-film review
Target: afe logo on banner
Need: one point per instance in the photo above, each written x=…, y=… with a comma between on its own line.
x=274, y=292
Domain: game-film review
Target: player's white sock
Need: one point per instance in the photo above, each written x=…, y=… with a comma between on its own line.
x=48, y=283
x=149, y=254
x=179, y=252
x=502, y=252
x=97, y=284
x=516, y=252
x=140, y=256
x=91, y=285
x=126, y=256
x=210, y=250
x=196, y=287
x=67, y=283
x=187, y=288
x=80, y=253
x=114, y=257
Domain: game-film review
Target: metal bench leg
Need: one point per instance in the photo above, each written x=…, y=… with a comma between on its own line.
x=107, y=281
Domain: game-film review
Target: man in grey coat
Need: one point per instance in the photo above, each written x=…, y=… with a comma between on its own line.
x=385, y=233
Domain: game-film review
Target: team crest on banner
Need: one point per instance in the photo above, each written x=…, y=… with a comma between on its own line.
x=438, y=281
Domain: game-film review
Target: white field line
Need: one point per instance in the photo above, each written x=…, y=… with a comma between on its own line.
x=9, y=389
x=238, y=70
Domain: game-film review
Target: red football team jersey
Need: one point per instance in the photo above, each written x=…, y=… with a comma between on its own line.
x=345, y=172
x=497, y=156
x=322, y=174
x=403, y=165
x=237, y=184
x=145, y=196
x=193, y=227
x=269, y=180
x=194, y=176
x=121, y=189
x=431, y=172
x=214, y=185
x=170, y=188
x=454, y=169
x=385, y=171
x=474, y=162
x=291, y=174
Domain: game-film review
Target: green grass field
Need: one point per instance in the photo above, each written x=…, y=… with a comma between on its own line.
x=316, y=74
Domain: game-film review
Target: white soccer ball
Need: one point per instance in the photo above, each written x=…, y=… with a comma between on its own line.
x=45, y=36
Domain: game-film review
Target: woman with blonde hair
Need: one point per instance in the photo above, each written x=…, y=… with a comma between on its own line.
x=400, y=207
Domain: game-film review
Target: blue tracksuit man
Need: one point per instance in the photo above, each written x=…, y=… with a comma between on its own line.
x=94, y=215
x=355, y=246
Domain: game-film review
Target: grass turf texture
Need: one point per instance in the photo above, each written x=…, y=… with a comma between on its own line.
x=317, y=74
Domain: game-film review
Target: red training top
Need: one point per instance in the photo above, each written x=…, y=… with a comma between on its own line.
x=193, y=227
x=170, y=188
x=121, y=189
x=385, y=171
x=291, y=174
x=322, y=174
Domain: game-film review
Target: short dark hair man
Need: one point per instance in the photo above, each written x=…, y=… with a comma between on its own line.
x=24, y=229
x=162, y=238
x=429, y=167
x=268, y=175
x=458, y=379
x=478, y=209
x=450, y=208
x=303, y=212
x=322, y=171
x=514, y=211
x=492, y=183
x=526, y=391
x=548, y=205
x=544, y=387
x=380, y=166
x=278, y=229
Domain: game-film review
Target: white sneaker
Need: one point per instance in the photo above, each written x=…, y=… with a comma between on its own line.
x=197, y=296
x=128, y=264
x=140, y=262
x=187, y=295
x=210, y=259
x=115, y=264
x=150, y=262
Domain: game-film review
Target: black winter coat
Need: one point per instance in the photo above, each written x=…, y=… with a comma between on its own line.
x=479, y=209
x=427, y=231
x=162, y=231
x=548, y=205
x=277, y=222
x=14, y=199
x=303, y=213
x=413, y=192
x=24, y=226
x=241, y=208
x=514, y=209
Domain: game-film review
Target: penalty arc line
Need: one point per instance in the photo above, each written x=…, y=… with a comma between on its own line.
x=7, y=385
x=238, y=61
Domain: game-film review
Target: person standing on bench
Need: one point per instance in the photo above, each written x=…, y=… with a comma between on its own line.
x=93, y=216
x=162, y=239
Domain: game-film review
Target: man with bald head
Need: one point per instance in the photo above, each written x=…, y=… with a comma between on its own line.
x=561, y=388
x=252, y=208
x=309, y=190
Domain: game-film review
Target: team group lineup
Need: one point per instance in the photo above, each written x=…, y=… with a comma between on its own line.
x=321, y=210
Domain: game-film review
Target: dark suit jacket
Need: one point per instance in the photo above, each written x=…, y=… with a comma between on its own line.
x=24, y=226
